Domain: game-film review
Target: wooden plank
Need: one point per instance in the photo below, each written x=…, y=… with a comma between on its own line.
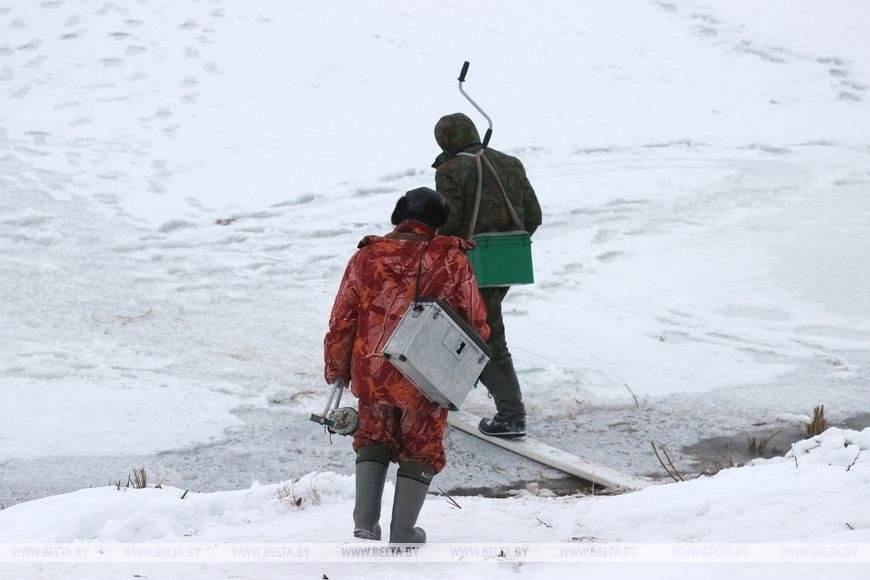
x=548, y=455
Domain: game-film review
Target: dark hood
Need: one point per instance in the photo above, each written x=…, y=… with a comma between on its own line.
x=455, y=133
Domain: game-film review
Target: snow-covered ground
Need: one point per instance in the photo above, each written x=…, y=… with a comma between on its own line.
x=811, y=495
x=702, y=166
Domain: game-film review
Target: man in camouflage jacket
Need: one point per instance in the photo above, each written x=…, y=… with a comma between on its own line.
x=457, y=180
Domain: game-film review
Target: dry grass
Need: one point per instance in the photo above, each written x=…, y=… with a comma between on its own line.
x=668, y=466
x=139, y=479
x=818, y=424
x=287, y=494
x=760, y=445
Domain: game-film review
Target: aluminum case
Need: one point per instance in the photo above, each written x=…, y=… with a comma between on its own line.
x=438, y=352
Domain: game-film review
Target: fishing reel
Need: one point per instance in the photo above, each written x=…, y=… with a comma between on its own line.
x=341, y=420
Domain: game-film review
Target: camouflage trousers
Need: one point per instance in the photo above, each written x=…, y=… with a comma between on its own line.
x=499, y=376
x=411, y=435
x=497, y=343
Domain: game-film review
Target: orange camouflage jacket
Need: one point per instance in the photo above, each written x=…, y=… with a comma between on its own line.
x=377, y=288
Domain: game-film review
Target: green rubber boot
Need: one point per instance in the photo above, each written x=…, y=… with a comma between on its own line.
x=412, y=485
x=371, y=473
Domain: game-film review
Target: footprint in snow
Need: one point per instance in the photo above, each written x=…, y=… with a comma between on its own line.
x=32, y=45
x=36, y=62
x=854, y=86
x=20, y=93
x=833, y=60
x=609, y=256
x=603, y=235
x=846, y=96
x=366, y=191
x=302, y=199
x=328, y=233
x=704, y=18
x=593, y=150
x=516, y=312
x=755, y=313
x=399, y=175
x=174, y=225
x=768, y=148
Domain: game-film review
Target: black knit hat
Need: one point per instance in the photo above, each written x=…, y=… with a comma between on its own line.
x=422, y=204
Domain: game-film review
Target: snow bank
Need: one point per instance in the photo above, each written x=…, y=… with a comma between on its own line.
x=811, y=494
x=137, y=515
x=820, y=491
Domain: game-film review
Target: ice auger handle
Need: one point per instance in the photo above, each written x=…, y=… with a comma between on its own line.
x=463, y=72
x=486, y=138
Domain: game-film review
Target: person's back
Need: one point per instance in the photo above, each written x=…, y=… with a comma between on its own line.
x=378, y=287
x=396, y=422
x=456, y=179
x=459, y=173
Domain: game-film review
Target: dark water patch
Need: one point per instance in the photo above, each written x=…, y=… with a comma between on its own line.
x=546, y=487
x=764, y=440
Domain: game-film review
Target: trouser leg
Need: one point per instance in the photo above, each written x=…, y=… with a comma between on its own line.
x=499, y=377
x=496, y=342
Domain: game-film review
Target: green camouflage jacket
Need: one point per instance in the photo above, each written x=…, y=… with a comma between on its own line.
x=456, y=180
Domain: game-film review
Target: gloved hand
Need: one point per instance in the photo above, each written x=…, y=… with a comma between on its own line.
x=341, y=382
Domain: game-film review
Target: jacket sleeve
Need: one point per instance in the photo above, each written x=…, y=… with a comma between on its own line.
x=531, y=207
x=447, y=186
x=466, y=300
x=338, y=344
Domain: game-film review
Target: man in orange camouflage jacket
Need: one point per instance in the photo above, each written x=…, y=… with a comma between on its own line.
x=396, y=422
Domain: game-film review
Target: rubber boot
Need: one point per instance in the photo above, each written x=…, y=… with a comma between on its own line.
x=412, y=484
x=501, y=381
x=371, y=473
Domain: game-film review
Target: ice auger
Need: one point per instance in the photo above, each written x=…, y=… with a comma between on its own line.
x=341, y=420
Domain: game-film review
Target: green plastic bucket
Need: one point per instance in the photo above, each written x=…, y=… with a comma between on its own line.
x=502, y=259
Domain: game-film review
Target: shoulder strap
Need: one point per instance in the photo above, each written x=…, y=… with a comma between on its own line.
x=470, y=235
x=513, y=213
x=507, y=201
